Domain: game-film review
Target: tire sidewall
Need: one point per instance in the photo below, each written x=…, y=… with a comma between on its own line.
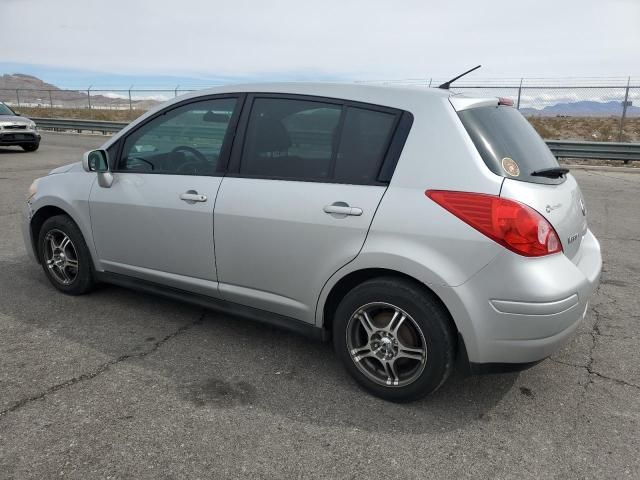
x=428, y=315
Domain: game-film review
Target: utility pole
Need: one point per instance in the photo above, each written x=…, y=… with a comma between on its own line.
x=519, y=94
x=625, y=104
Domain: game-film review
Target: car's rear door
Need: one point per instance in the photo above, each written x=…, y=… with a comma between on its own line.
x=299, y=198
x=156, y=220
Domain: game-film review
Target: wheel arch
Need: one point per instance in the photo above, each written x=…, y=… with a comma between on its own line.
x=41, y=215
x=350, y=280
x=333, y=294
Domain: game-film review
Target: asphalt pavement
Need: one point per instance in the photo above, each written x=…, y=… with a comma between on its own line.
x=118, y=384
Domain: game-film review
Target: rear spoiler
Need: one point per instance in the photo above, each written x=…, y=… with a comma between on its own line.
x=461, y=102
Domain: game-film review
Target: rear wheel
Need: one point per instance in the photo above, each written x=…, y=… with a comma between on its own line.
x=64, y=256
x=394, y=338
x=30, y=147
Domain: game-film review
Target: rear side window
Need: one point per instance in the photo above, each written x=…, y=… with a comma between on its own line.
x=363, y=143
x=313, y=140
x=290, y=139
x=502, y=132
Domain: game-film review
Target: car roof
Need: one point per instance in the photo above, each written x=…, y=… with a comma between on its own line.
x=380, y=94
x=395, y=96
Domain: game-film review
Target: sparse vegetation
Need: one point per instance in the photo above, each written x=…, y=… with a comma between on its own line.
x=594, y=129
x=82, y=113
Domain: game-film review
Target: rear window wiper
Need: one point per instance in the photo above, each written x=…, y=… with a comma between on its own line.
x=554, y=172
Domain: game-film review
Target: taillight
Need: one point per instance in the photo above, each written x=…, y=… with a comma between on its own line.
x=512, y=224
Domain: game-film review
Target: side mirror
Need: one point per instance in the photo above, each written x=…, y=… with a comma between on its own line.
x=17, y=114
x=95, y=161
x=98, y=161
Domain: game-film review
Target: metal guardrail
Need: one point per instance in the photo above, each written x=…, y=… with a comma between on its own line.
x=78, y=125
x=561, y=148
x=595, y=150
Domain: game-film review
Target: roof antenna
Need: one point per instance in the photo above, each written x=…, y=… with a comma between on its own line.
x=446, y=85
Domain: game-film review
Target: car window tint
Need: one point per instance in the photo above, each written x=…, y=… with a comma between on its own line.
x=501, y=132
x=363, y=143
x=290, y=139
x=4, y=110
x=185, y=141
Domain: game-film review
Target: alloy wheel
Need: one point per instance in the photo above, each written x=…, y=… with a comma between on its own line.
x=386, y=344
x=61, y=256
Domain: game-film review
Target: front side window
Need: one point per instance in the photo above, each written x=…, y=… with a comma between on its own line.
x=184, y=141
x=290, y=139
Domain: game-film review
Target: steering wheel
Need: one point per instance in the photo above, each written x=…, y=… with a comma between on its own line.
x=201, y=159
x=197, y=153
x=190, y=167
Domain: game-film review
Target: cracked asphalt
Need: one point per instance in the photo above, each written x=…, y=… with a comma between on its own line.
x=118, y=384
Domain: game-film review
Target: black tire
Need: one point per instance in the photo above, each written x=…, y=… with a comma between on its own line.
x=81, y=277
x=30, y=147
x=427, y=322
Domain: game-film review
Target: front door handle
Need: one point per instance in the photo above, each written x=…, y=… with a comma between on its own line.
x=192, y=196
x=341, y=208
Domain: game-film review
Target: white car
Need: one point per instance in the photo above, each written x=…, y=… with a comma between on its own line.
x=16, y=130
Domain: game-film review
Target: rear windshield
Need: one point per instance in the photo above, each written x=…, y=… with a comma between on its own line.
x=501, y=132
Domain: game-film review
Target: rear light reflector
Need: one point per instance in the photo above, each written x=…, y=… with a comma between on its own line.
x=511, y=224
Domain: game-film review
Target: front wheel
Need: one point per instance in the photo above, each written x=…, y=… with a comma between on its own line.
x=64, y=256
x=31, y=147
x=394, y=338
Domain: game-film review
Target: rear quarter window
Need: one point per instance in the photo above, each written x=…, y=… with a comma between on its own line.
x=500, y=132
x=364, y=141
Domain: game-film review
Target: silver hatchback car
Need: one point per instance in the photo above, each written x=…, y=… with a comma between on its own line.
x=416, y=228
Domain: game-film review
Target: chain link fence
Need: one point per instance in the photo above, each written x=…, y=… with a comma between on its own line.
x=591, y=109
x=594, y=109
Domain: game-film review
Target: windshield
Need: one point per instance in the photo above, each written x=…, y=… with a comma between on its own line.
x=4, y=110
x=508, y=143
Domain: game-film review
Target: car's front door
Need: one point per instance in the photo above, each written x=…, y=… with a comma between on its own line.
x=298, y=200
x=156, y=220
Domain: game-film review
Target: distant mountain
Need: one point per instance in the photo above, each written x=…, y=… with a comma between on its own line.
x=28, y=90
x=583, y=108
x=20, y=80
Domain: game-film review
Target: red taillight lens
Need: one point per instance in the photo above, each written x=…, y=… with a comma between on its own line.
x=512, y=224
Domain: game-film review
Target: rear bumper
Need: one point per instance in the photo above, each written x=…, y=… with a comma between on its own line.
x=22, y=137
x=521, y=310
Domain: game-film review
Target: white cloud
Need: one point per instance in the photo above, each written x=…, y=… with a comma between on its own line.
x=355, y=39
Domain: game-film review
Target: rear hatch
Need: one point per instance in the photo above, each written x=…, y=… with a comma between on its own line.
x=511, y=148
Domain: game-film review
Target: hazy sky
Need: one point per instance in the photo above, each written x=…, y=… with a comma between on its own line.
x=361, y=39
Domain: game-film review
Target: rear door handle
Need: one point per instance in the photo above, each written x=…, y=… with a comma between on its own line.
x=342, y=209
x=192, y=196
